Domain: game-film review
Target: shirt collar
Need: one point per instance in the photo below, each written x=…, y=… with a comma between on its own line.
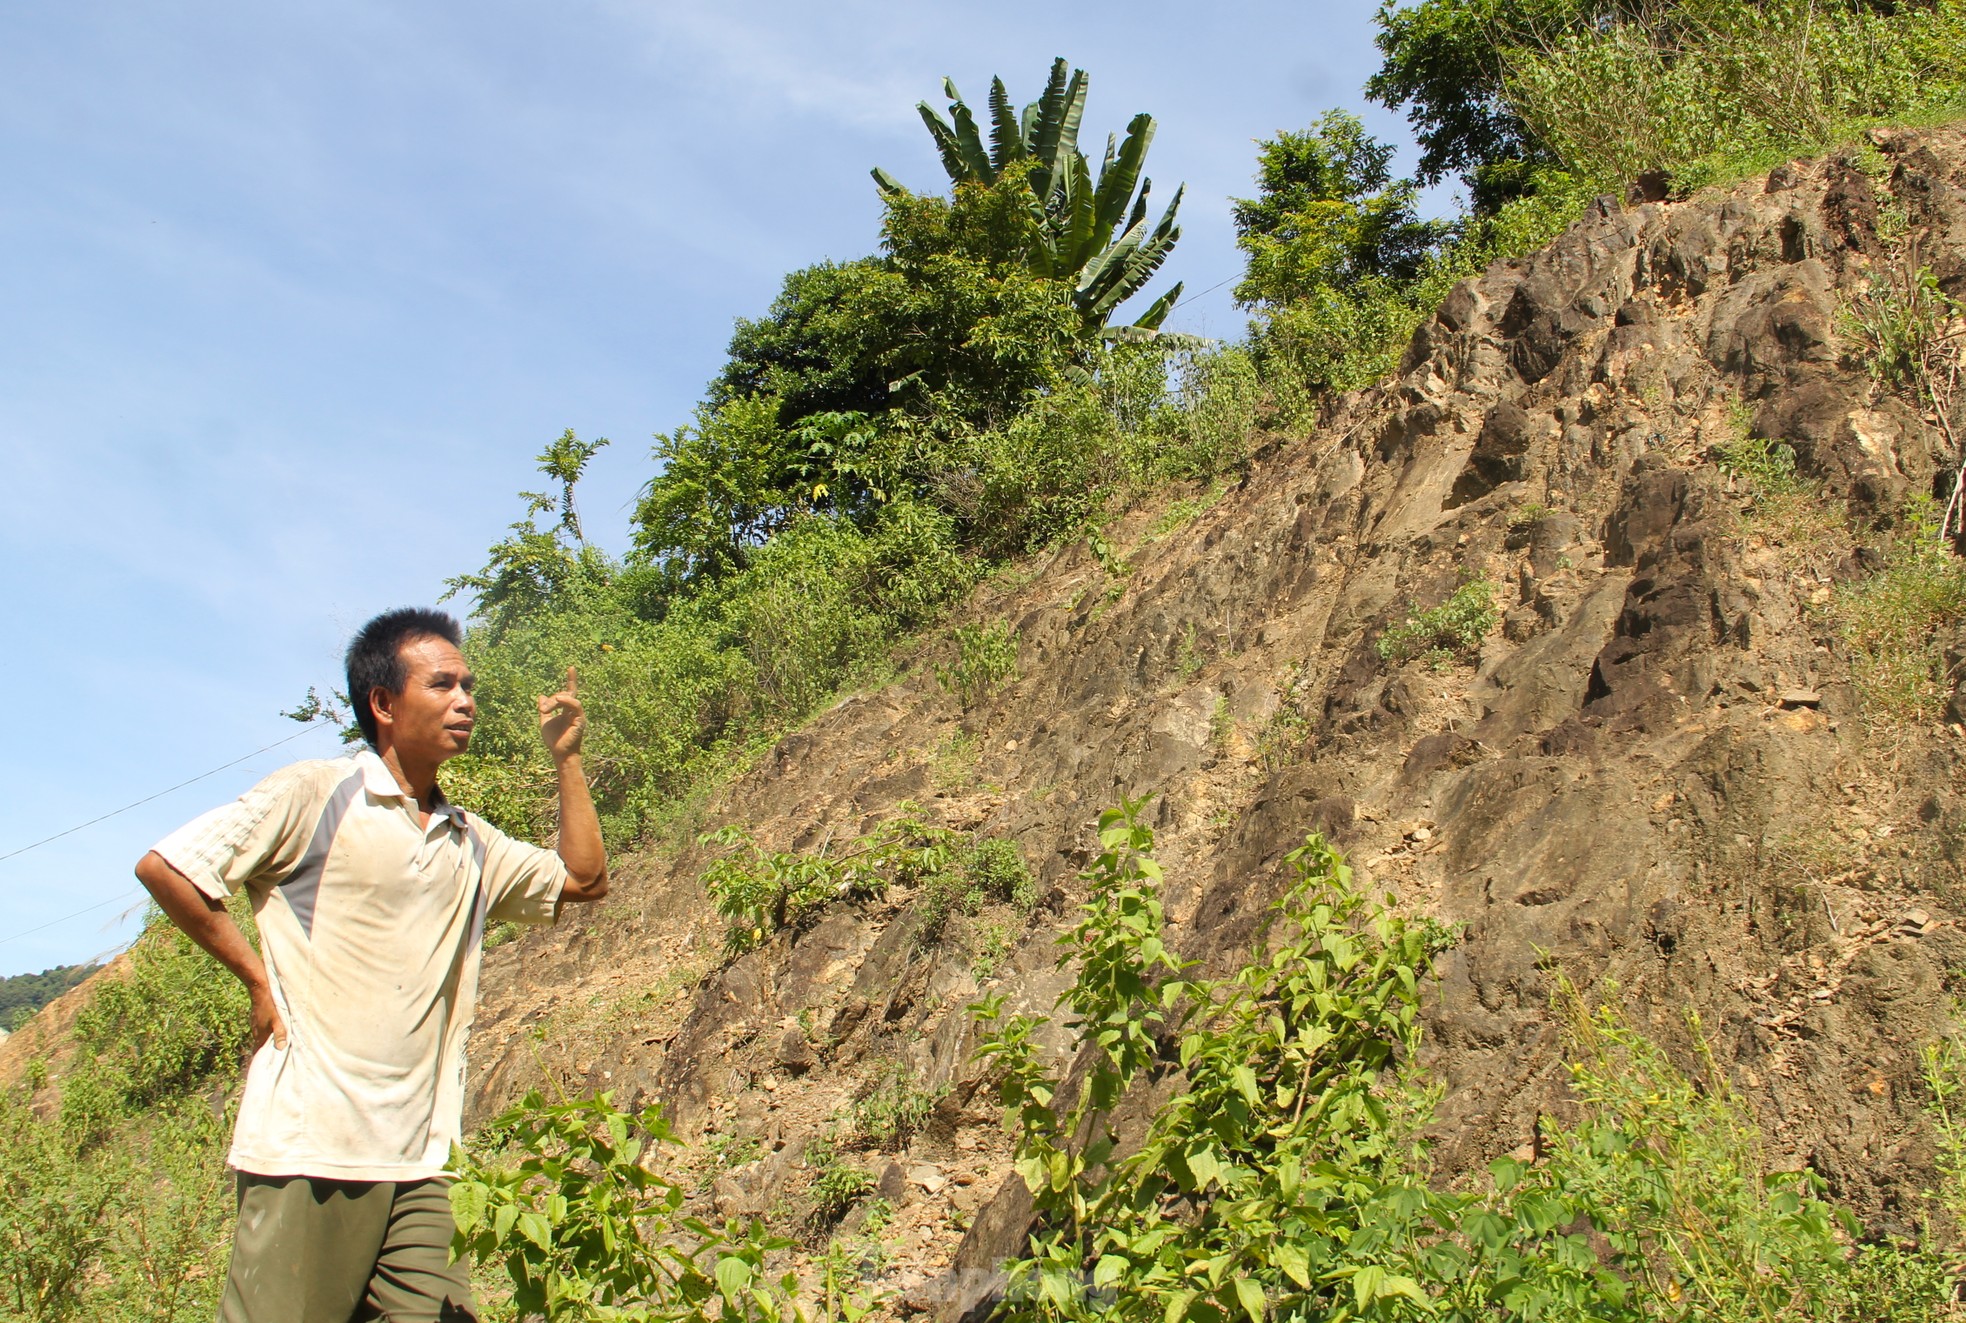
x=381, y=782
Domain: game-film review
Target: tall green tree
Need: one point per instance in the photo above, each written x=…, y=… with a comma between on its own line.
x=1446, y=62
x=1328, y=216
x=1091, y=231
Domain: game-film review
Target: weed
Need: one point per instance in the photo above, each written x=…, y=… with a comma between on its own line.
x=1443, y=634
x=1221, y=724
x=759, y=892
x=1189, y=657
x=993, y=944
x=1283, y=734
x=498, y=934
x=1766, y=467
x=953, y=764
x=1527, y=517
x=989, y=870
x=1180, y=513
x=986, y=659
x=1943, y=1065
x=1899, y=325
x=1108, y=557
x=732, y=1150
x=889, y=1113
x=1897, y=621
x=837, y=1184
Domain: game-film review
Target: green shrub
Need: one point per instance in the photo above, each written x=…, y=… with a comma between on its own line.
x=1767, y=467
x=837, y=1185
x=889, y=1113
x=117, y=1207
x=1273, y=1183
x=986, y=659
x=1695, y=85
x=983, y=872
x=1443, y=634
x=55, y=1209
x=759, y=891
x=169, y=1026
x=1287, y=1173
x=585, y=1229
x=1213, y=415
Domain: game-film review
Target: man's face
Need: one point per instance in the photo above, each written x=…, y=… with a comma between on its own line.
x=431, y=719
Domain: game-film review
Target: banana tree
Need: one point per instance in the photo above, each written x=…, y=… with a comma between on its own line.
x=1076, y=215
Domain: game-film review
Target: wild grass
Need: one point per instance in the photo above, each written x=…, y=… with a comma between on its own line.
x=1703, y=90
x=1898, y=623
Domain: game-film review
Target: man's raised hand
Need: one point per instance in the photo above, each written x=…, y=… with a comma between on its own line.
x=562, y=722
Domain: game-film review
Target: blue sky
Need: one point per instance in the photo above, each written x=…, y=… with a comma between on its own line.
x=296, y=292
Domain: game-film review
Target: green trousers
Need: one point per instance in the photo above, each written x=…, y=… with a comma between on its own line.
x=321, y=1251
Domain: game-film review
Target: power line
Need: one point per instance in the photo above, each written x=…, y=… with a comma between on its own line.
x=113, y=900
x=35, y=845
x=1205, y=293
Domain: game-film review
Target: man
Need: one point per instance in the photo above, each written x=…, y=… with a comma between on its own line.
x=372, y=892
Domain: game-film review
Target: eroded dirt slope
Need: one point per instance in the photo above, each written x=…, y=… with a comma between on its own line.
x=1656, y=772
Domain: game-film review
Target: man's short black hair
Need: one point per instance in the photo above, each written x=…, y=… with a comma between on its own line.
x=375, y=655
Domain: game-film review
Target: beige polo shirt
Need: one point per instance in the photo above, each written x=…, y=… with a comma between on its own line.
x=371, y=927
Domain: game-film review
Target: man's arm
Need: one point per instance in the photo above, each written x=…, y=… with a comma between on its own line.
x=563, y=725
x=206, y=922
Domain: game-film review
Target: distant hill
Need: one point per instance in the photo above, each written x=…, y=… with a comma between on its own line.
x=23, y=994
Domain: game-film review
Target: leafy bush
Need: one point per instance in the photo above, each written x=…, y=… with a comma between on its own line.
x=986, y=658
x=1442, y=634
x=1212, y=416
x=54, y=1215
x=759, y=891
x=1268, y=1184
x=165, y=1029
x=585, y=1230
x=837, y=1185
x=1286, y=1175
x=116, y=1207
x=1767, y=467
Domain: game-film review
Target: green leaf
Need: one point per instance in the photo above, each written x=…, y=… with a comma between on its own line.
x=469, y=1200
x=1177, y=1305
x=733, y=1277
x=1204, y=1166
x=1251, y=1297
x=1291, y=1258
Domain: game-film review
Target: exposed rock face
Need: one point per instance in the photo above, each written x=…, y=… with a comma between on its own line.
x=1656, y=772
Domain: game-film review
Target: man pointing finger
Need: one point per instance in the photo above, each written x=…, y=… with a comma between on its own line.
x=372, y=892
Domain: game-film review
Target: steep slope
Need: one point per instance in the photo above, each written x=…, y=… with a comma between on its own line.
x=1656, y=771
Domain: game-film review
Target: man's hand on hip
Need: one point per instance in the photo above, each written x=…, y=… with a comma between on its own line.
x=267, y=1022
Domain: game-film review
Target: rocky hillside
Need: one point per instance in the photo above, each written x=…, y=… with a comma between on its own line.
x=1655, y=770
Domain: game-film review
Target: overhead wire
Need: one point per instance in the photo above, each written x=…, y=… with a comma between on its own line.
x=35, y=845
x=138, y=803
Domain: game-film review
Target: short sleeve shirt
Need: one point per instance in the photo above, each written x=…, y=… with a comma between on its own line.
x=371, y=927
